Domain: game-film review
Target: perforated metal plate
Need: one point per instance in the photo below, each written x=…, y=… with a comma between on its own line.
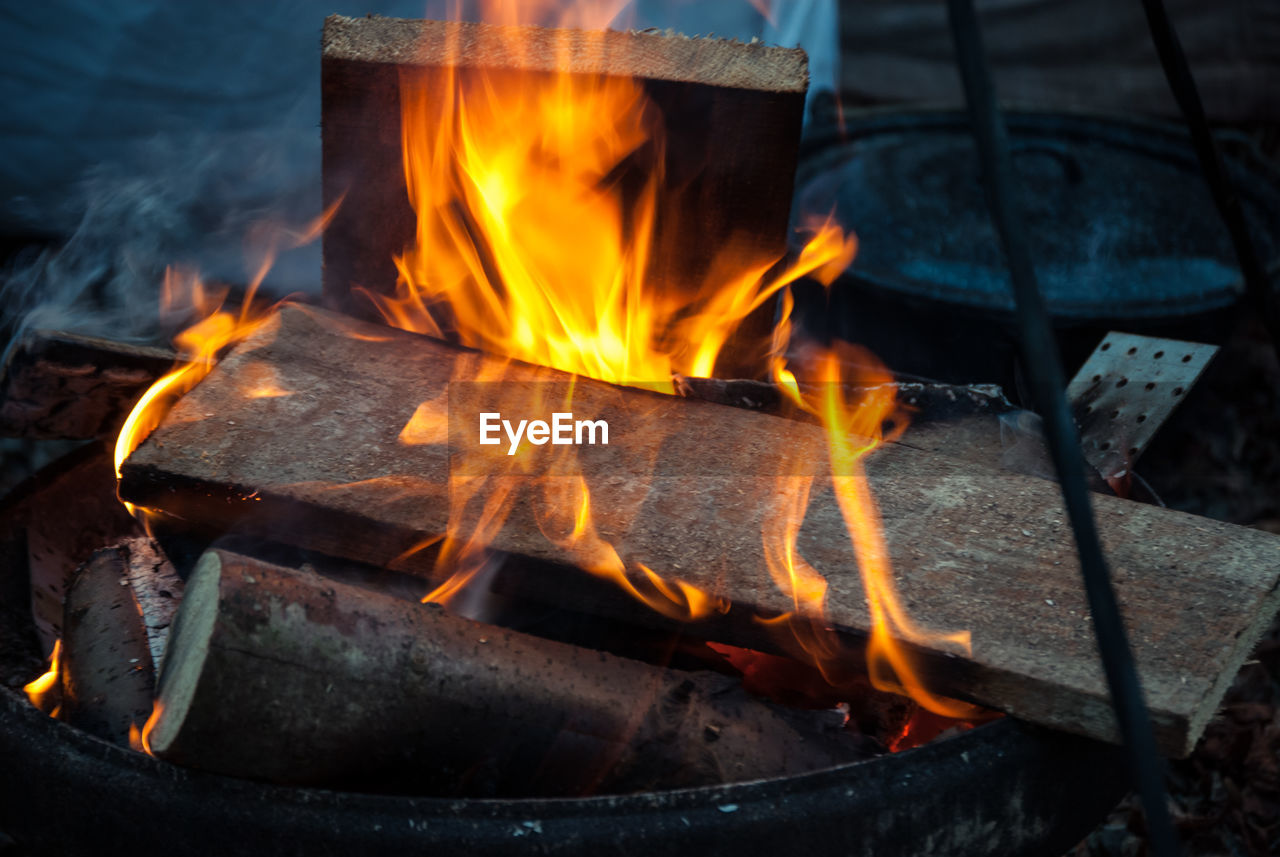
x=1126, y=389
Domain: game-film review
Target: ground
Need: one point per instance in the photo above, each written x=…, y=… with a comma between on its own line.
x=1219, y=456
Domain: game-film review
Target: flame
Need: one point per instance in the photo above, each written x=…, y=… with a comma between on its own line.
x=854, y=428
x=184, y=293
x=672, y=597
x=140, y=739
x=528, y=243
x=43, y=691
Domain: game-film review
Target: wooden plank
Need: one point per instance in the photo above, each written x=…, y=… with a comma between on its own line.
x=972, y=547
x=731, y=113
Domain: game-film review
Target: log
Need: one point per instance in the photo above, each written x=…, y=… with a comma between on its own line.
x=731, y=114
x=119, y=608
x=60, y=385
x=972, y=548
x=288, y=676
x=78, y=488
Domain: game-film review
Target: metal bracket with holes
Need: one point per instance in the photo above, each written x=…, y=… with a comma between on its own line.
x=1126, y=390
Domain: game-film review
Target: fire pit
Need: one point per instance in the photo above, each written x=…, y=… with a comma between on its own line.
x=1005, y=787
x=480, y=554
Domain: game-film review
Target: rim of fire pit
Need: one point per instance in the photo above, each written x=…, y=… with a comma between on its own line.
x=1001, y=788
x=1004, y=787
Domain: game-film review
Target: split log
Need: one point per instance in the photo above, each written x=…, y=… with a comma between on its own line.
x=991, y=551
x=119, y=608
x=287, y=676
x=60, y=385
x=730, y=115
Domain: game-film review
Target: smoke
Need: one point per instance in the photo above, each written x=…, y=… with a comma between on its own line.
x=193, y=201
x=230, y=144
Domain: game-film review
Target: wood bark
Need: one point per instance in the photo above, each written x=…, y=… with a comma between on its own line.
x=60, y=385
x=119, y=608
x=77, y=489
x=972, y=548
x=729, y=115
x=287, y=676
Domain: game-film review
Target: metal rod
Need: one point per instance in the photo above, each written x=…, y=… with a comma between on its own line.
x=1048, y=385
x=1183, y=85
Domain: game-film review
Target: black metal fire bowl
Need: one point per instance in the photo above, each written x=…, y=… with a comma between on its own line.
x=1003, y=788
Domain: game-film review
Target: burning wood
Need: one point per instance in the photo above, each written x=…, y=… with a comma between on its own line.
x=118, y=611
x=698, y=137
x=287, y=676
x=349, y=463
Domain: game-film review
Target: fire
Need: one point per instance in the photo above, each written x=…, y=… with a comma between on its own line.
x=43, y=691
x=672, y=597
x=140, y=739
x=528, y=246
x=185, y=294
x=854, y=429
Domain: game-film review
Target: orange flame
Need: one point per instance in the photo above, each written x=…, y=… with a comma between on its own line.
x=854, y=429
x=43, y=691
x=184, y=292
x=140, y=739
x=526, y=244
x=673, y=598
x=527, y=247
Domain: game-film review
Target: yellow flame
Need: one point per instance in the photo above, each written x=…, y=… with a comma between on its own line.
x=184, y=294
x=672, y=597
x=140, y=739
x=855, y=428
x=184, y=291
x=527, y=244
x=43, y=691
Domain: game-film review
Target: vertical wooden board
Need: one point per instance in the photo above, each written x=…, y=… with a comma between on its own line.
x=730, y=114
